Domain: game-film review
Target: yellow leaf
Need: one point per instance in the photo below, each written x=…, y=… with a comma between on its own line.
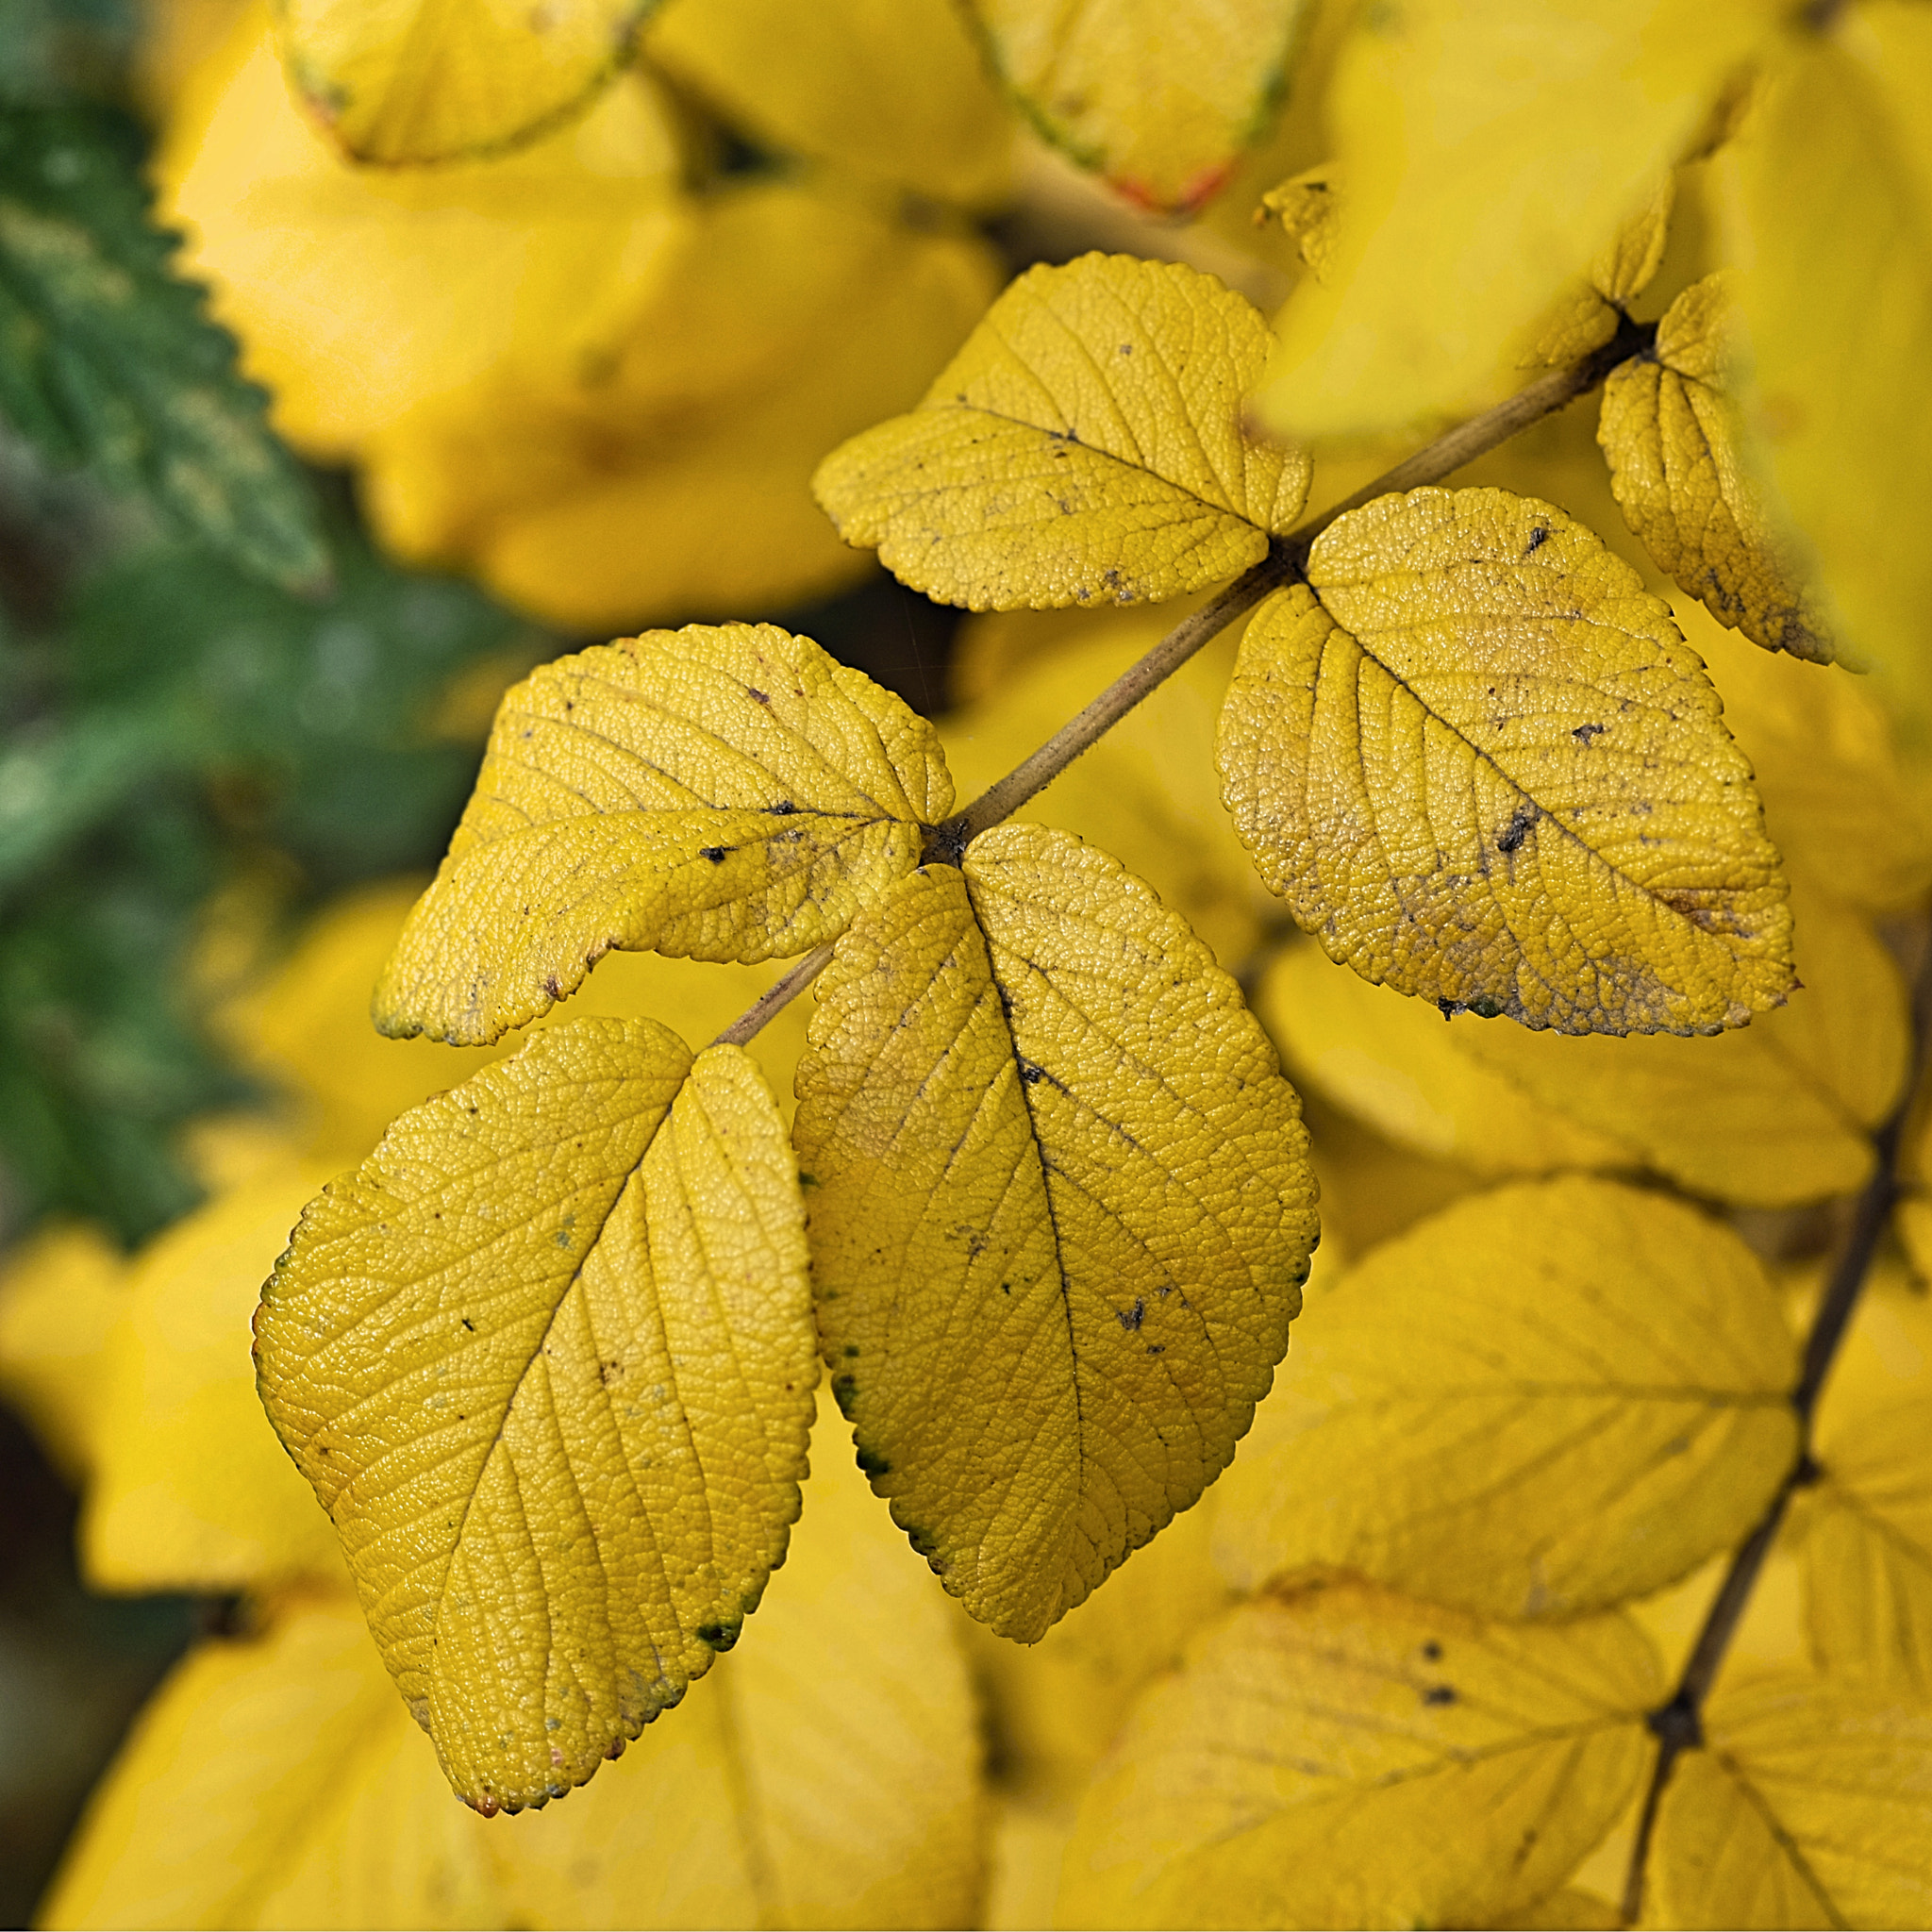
x=1481, y=765
x=891, y=89
x=1812, y=1806
x=1308, y=207
x=1347, y=1757
x=585, y=1263
x=1590, y=1396
x=1489, y=151
x=1865, y=1530
x=360, y=294
x=419, y=80
x=1620, y=271
x=191, y=1489
x=1085, y=446
x=1570, y=1909
x=1025, y=1875
x=1060, y=1211
x=720, y=794
x=1393, y=1064
x=672, y=475
x=1147, y=791
x=1160, y=98
x=61, y=1292
x=1668, y=431
x=1827, y=211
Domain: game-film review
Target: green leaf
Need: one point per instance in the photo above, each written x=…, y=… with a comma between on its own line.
x=108, y=361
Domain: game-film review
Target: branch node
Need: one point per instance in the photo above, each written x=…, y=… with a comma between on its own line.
x=1676, y=1726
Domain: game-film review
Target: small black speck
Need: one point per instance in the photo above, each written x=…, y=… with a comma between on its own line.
x=1438, y=1693
x=469, y=1325
x=1130, y=1319
x=756, y=695
x=874, y=1465
x=1538, y=538
x=1432, y=1651
x=1584, y=733
x=1031, y=1075
x=783, y=809
x=714, y=853
x=1518, y=829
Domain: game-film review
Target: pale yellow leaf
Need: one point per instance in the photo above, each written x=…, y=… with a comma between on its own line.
x=1811, y=1806
x=1346, y=1757
x=1159, y=96
x=1588, y=318
x=1085, y=446
x=1147, y=791
x=1570, y=1909
x=1668, y=430
x=191, y=1490
x=422, y=80
x=1827, y=207
x=61, y=1292
x=1060, y=1211
x=547, y=1357
x=358, y=295
x=720, y=794
x=1025, y=1875
x=1489, y=151
x=894, y=90
x=1481, y=765
x=1371, y=1190
x=1551, y=1398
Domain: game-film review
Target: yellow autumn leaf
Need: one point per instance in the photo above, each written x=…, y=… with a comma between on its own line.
x=1060, y=1212
x=1159, y=96
x=190, y=1488
x=722, y=793
x=1825, y=200
x=1488, y=152
x=1668, y=430
x=360, y=294
x=585, y=1263
x=894, y=90
x=1343, y=1756
x=420, y=80
x=1865, y=1542
x=1147, y=791
x=1811, y=1804
x=826, y=1773
x=1591, y=1396
x=61, y=1292
x=1308, y=207
x=1479, y=761
x=1620, y=271
x=1085, y=446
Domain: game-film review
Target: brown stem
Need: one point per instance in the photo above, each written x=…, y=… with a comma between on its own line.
x=1286, y=555
x=1678, y=1725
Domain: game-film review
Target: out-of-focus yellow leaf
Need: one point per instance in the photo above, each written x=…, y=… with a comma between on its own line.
x=422, y=80
x=1161, y=96
x=1479, y=761
x=1668, y=432
x=1837, y=800
x=1346, y=1757
x=1023, y=1879
x=360, y=294
x=1811, y=1806
x=891, y=89
x=1622, y=270
x=585, y=1264
x=720, y=794
x=1489, y=151
x=1777, y=1114
x=1085, y=446
x=1590, y=1394
x=1569, y=1910
x=672, y=475
x=191, y=1489
x=1393, y=1064
x=1147, y=791
x=1865, y=1530
x=1308, y=207
x=1828, y=204
x=1060, y=1213
x=825, y=1773
x=61, y=1292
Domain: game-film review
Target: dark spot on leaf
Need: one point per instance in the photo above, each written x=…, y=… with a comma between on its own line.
x=758, y=695
x=1518, y=829
x=1130, y=1319
x=782, y=809
x=874, y=1465
x=1030, y=1073
x=719, y=1635
x=851, y=1351
x=1432, y=1651
x=1438, y=1693
x=469, y=1325
x=843, y=1388
x=1538, y=538
x=714, y=853
x=1584, y=733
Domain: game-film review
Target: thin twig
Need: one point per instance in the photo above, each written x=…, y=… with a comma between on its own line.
x=1284, y=561
x=1678, y=1725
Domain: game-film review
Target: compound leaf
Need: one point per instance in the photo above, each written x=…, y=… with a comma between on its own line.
x=547, y=1359
x=725, y=793
x=108, y=358
x=1481, y=765
x=422, y=80
x=1085, y=446
x=1305, y=1767
x=1159, y=98
x=1060, y=1213
x=1551, y=1398
x=1669, y=432
x=1811, y=1806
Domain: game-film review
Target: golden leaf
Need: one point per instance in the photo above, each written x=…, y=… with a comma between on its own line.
x=61, y=1292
